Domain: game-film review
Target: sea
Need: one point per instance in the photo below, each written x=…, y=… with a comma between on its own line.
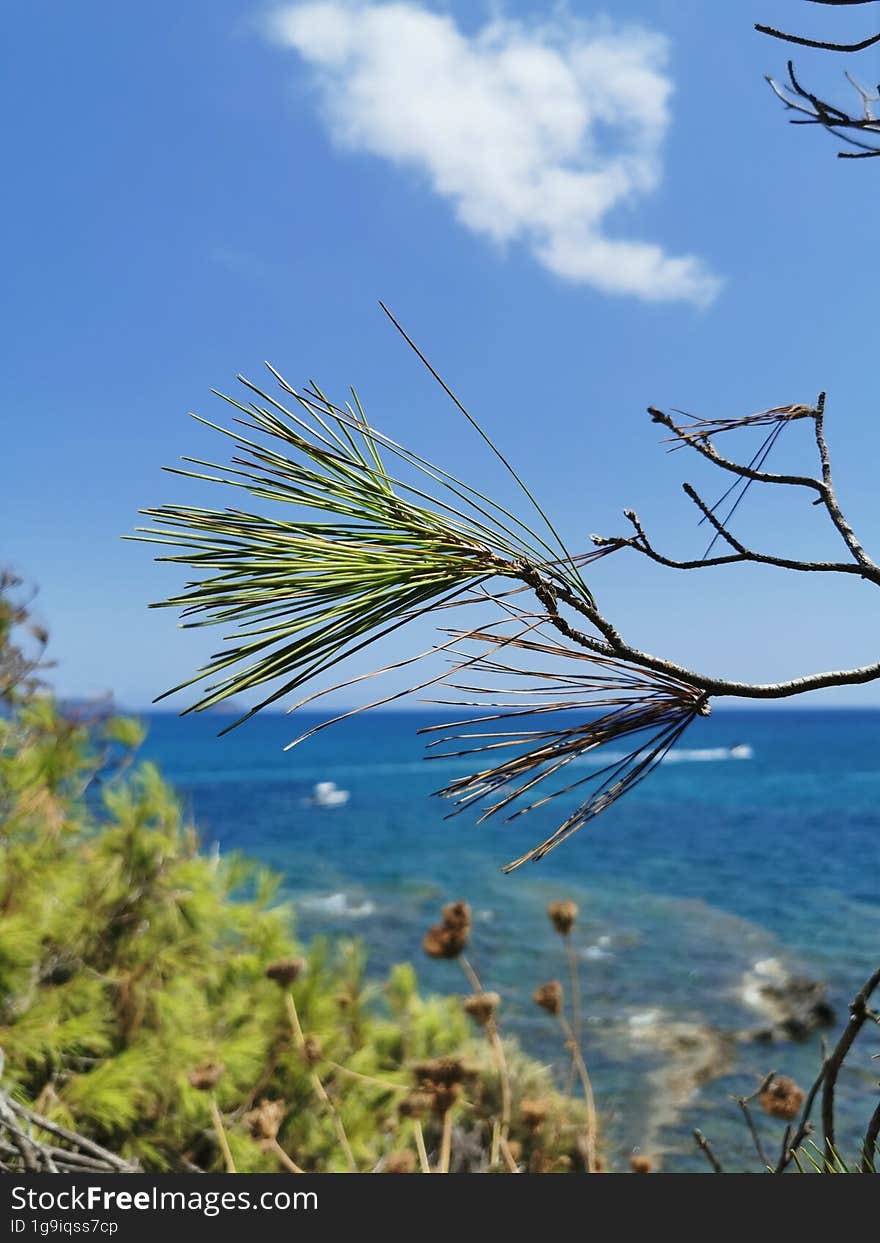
x=751, y=855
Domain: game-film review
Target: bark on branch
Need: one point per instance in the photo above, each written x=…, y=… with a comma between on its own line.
x=609, y=642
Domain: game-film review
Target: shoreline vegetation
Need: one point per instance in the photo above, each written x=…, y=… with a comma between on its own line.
x=157, y=1012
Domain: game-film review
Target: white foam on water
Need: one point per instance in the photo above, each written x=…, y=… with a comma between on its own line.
x=338, y=904
x=596, y=759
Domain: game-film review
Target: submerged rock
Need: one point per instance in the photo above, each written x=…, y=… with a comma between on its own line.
x=691, y=1053
x=794, y=1005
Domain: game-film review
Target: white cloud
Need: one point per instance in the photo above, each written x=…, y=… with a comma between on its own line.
x=534, y=133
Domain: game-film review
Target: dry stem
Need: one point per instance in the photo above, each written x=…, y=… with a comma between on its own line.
x=500, y=1059
x=317, y=1085
x=285, y=1160
x=574, y=1046
x=220, y=1131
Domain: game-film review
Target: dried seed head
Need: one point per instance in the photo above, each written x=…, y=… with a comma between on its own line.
x=442, y=1079
x=444, y=1070
x=402, y=1162
x=533, y=1113
x=444, y=1096
x=443, y=942
x=549, y=997
x=416, y=1105
x=562, y=916
x=286, y=971
x=206, y=1076
x=782, y=1098
x=641, y=1163
x=482, y=1007
x=457, y=915
x=264, y=1121
x=449, y=938
x=312, y=1052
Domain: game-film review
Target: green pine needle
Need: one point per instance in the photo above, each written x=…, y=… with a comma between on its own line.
x=349, y=549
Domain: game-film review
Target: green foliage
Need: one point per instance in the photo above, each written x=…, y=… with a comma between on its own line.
x=351, y=551
x=128, y=958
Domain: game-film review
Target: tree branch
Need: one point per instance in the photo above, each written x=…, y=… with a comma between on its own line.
x=872, y=1135
x=858, y=1016
x=611, y=643
x=825, y=46
x=643, y=545
x=704, y=446
x=819, y=111
x=718, y=687
x=826, y=1080
x=829, y=496
x=802, y=41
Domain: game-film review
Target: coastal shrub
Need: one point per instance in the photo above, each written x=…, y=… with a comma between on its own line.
x=147, y=985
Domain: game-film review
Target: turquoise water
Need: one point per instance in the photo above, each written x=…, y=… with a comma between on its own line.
x=711, y=866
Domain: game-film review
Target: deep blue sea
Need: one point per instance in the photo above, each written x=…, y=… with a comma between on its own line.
x=713, y=868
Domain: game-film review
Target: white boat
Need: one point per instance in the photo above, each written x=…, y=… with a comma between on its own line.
x=742, y=751
x=328, y=794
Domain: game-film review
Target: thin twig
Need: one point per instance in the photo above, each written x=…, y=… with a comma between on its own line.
x=318, y=1087
x=743, y=1102
x=220, y=1131
x=362, y=1078
x=70, y=1137
x=573, y=1045
x=706, y=1149
x=869, y=1146
x=420, y=1147
x=445, y=1143
x=289, y=1164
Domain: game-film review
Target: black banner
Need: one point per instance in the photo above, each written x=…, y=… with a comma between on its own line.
x=130, y=1208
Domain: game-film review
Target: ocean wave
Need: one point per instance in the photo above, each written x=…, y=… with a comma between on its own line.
x=600, y=949
x=683, y=755
x=709, y=755
x=429, y=764
x=338, y=905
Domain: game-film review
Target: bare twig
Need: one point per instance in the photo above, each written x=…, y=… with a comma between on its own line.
x=858, y=1016
x=695, y=437
x=35, y=1155
x=869, y=1147
x=825, y=46
x=817, y=111
x=744, y=1102
x=707, y=1150
x=826, y=1080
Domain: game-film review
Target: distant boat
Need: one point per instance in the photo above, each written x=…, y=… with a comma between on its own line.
x=327, y=794
x=742, y=751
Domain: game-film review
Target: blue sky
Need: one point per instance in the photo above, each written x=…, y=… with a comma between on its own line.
x=190, y=190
